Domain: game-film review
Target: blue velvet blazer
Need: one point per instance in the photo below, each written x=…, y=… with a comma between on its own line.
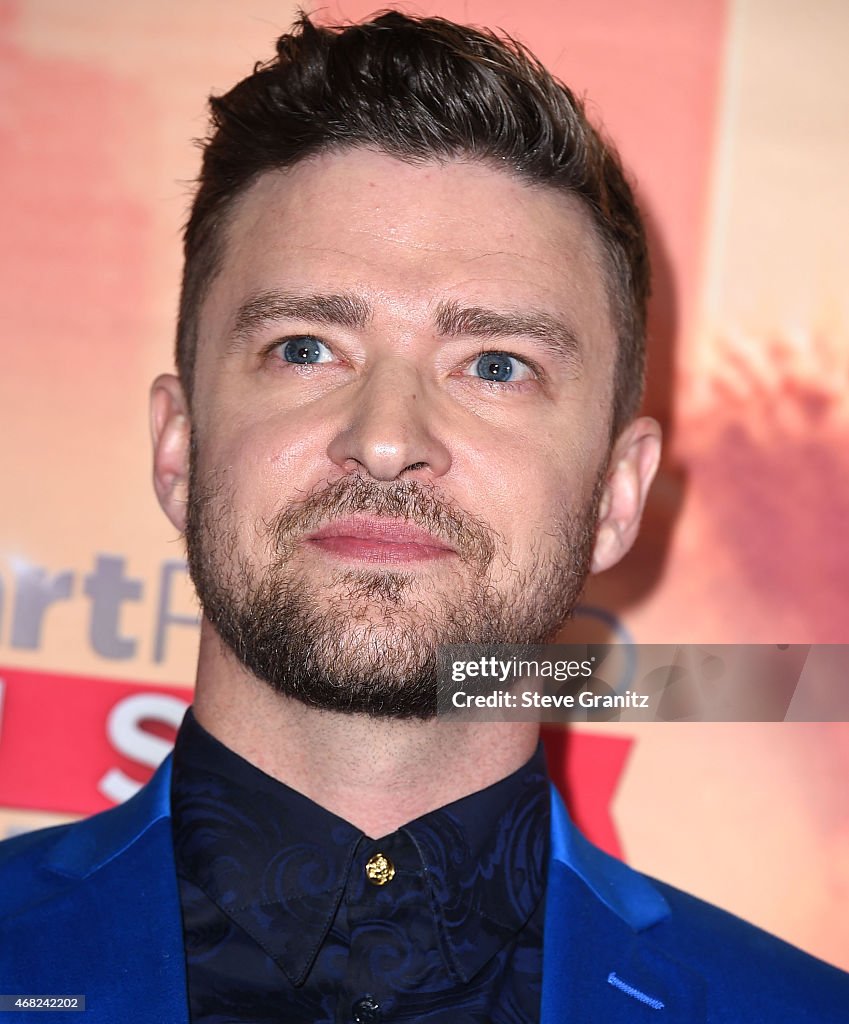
x=93, y=909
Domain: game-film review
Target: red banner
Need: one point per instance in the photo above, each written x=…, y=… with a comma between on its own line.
x=78, y=745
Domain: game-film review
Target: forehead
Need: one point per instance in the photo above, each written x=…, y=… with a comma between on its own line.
x=409, y=236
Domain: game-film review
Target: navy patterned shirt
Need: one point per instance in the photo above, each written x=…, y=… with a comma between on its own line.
x=291, y=914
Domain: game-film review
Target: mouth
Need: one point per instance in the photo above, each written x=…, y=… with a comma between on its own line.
x=378, y=540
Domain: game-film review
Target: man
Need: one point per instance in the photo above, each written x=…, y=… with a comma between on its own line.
x=410, y=359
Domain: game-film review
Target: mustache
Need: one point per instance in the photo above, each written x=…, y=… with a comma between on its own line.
x=472, y=538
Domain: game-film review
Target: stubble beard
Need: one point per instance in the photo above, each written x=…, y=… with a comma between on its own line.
x=367, y=643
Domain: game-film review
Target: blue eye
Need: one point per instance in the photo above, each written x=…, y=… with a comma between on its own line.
x=499, y=367
x=305, y=351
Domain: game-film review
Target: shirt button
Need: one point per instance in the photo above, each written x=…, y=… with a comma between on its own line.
x=379, y=869
x=365, y=1011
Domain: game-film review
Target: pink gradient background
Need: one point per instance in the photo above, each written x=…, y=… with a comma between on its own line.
x=737, y=164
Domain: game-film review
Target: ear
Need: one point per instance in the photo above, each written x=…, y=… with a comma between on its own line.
x=170, y=428
x=633, y=464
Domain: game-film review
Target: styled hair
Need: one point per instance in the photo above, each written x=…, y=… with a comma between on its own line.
x=417, y=89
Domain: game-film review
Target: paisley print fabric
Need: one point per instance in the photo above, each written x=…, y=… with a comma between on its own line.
x=283, y=924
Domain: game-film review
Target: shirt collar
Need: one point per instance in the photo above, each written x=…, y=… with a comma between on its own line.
x=485, y=857
x=278, y=864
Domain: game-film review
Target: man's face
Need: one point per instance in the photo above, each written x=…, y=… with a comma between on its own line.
x=400, y=423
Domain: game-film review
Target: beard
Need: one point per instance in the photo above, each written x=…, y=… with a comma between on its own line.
x=366, y=641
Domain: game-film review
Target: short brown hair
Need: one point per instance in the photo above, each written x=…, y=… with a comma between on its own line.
x=417, y=89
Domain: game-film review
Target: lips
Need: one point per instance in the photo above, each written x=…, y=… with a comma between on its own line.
x=379, y=540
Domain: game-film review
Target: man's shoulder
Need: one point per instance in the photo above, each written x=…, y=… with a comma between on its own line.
x=619, y=934
x=92, y=907
x=696, y=925
x=748, y=967
x=21, y=850
x=24, y=864
x=47, y=863
x=38, y=864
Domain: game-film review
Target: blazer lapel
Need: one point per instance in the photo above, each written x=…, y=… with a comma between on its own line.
x=600, y=964
x=127, y=955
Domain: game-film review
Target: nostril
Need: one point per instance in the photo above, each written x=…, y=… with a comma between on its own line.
x=415, y=466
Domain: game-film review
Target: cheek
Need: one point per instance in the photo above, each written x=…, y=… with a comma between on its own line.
x=525, y=462
x=525, y=503
x=266, y=463
x=296, y=454
x=534, y=504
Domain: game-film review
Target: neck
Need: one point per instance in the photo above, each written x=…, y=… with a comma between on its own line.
x=378, y=774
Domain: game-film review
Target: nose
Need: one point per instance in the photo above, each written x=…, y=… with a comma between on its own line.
x=391, y=429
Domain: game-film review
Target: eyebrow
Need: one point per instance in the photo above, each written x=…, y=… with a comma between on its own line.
x=342, y=310
x=453, y=320
x=346, y=309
